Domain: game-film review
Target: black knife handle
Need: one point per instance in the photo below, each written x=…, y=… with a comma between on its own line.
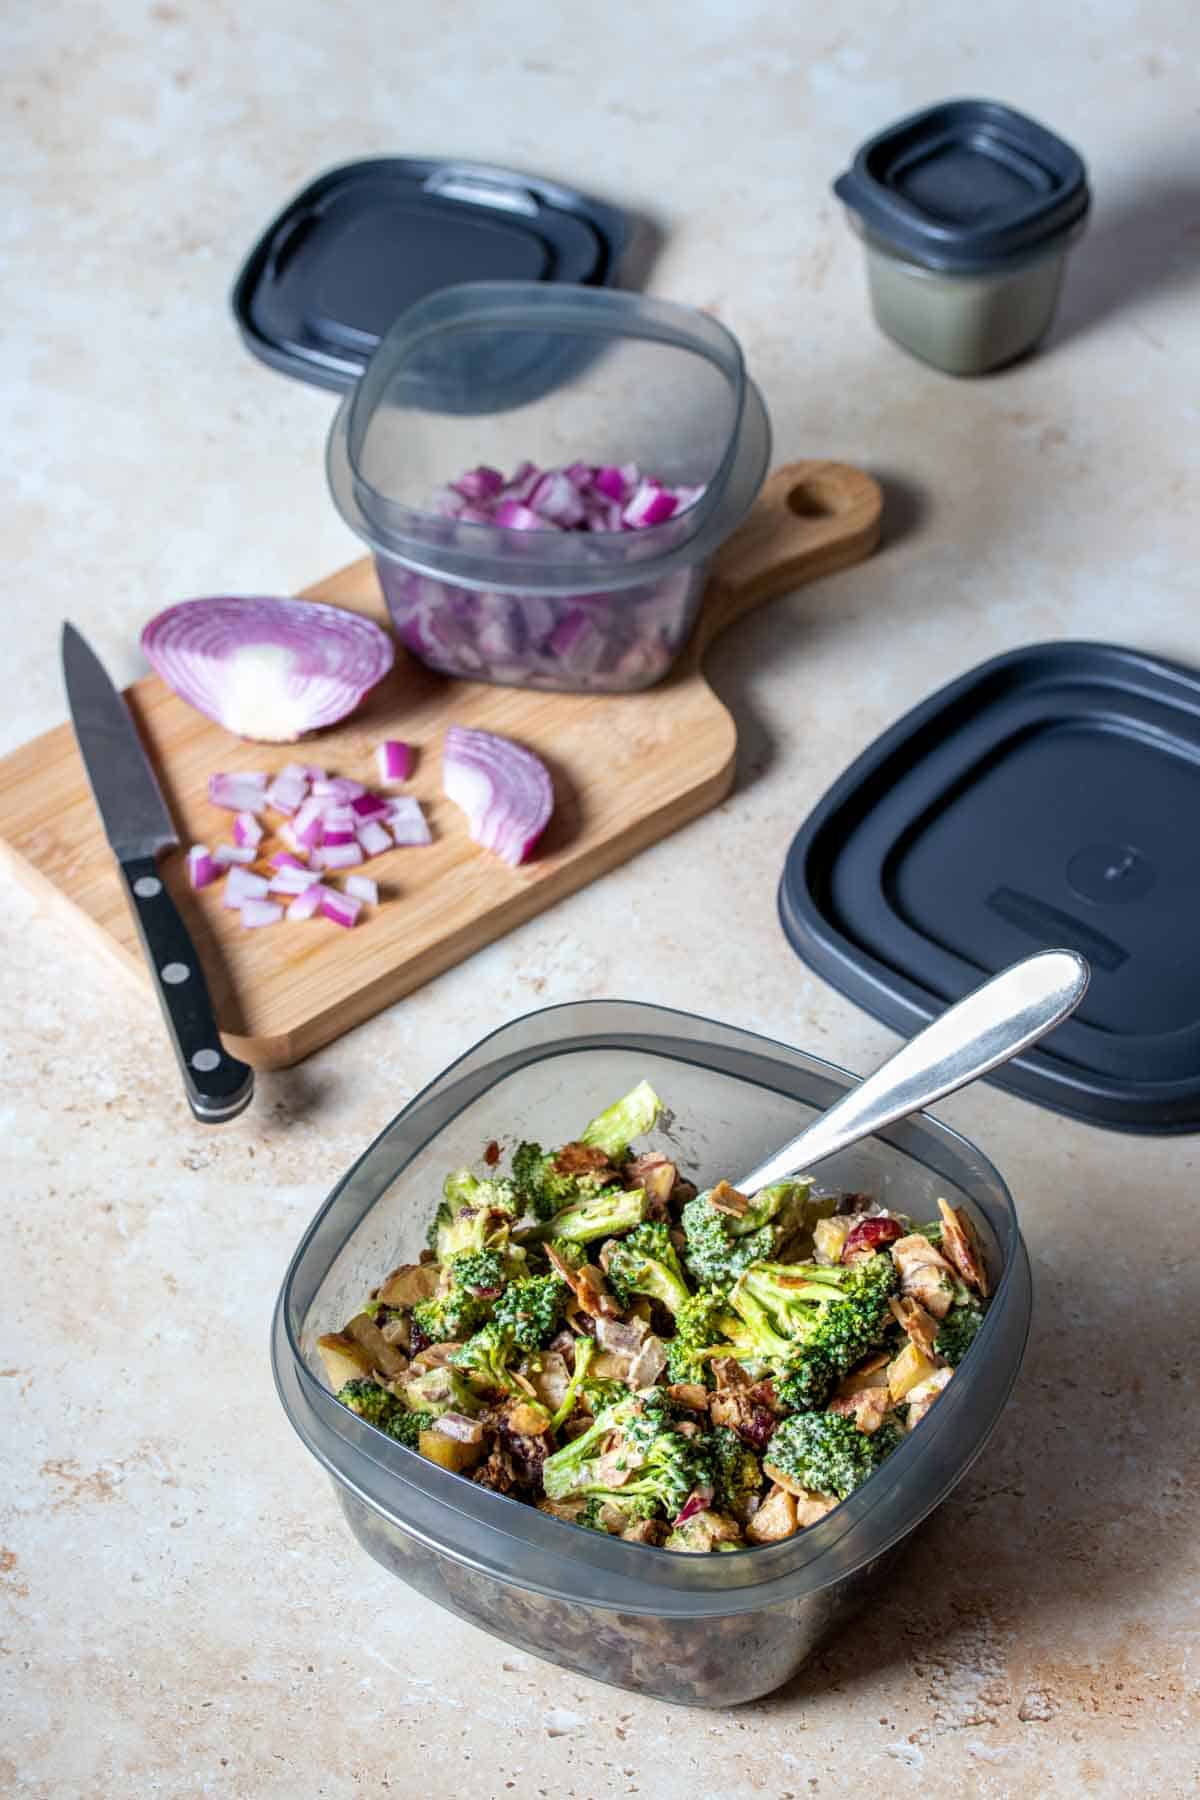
x=218, y=1086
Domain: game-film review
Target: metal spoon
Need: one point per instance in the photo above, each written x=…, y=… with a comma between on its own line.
x=995, y=1022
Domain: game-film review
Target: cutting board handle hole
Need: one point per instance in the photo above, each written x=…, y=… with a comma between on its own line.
x=818, y=497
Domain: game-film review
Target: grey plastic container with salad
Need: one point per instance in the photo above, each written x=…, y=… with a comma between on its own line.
x=543, y=474
x=640, y=1360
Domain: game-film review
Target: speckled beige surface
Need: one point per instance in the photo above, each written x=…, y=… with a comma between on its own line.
x=183, y=1611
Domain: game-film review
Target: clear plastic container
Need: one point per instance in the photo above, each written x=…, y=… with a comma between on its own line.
x=699, y=1630
x=501, y=372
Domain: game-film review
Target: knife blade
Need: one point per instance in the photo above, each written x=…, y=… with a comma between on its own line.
x=138, y=827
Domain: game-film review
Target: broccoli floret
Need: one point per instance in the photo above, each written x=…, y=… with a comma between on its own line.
x=956, y=1333
x=600, y=1391
x=382, y=1409
x=486, y=1360
x=471, y=1282
x=932, y=1231
x=702, y=1327
x=473, y=1215
x=597, y=1216
x=541, y=1188
x=572, y=1255
x=531, y=1309
x=585, y=1350
x=812, y=1323
x=638, y=1439
x=721, y=1244
x=739, y=1473
x=615, y=1128
x=828, y=1453
x=646, y=1262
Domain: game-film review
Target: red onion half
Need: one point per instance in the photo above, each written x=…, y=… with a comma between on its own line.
x=264, y=668
x=504, y=789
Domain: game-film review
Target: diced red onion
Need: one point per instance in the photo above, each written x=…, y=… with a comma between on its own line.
x=407, y=823
x=287, y=836
x=245, y=791
x=247, y=830
x=203, y=870
x=514, y=515
x=283, y=859
x=394, y=759
x=503, y=788
x=341, y=908
x=374, y=838
x=225, y=854
x=286, y=793
x=243, y=885
x=334, y=839
x=651, y=505
x=361, y=887
x=305, y=905
x=368, y=806
x=479, y=484
x=261, y=912
x=610, y=482
x=293, y=881
x=556, y=498
x=338, y=787
x=311, y=772
x=267, y=668
x=337, y=856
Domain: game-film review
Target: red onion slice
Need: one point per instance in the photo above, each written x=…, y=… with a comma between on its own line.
x=504, y=789
x=266, y=668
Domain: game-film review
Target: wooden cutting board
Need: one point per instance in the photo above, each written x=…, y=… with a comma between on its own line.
x=627, y=769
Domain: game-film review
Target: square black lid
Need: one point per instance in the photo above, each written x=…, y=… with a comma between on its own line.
x=1047, y=798
x=967, y=186
x=365, y=241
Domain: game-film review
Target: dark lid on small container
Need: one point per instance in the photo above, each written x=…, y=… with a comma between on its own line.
x=967, y=186
x=364, y=242
x=1046, y=798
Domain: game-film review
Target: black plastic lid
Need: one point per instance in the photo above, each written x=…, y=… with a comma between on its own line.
x=363, y=242
x=967, y=186
x=1047, y=798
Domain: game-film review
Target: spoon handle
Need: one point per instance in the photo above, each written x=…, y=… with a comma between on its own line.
x=999, y=1020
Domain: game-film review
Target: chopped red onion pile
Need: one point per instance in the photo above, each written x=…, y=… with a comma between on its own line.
x=594, y=641
x=580, y=497
x=326, y=823
x=504, y=789
x=268, y=669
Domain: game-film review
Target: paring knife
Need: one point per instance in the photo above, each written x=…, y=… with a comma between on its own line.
x=138, y=826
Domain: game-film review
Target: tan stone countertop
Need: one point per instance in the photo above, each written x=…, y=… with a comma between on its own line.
x=183, y=1611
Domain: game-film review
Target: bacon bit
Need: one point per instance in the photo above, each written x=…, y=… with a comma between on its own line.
x=962, y=1246
x=491, y=1155
x=616, y=1334
x=457, y=1425
x=925, y=1275
x=728, y=1199
x=738, y=1409
x=587, y=1285
x=581, y=1159
x=689, y=1394
x=813, y=1508
x=648, y=1364
x=921, y=1326
x=868, y=1407
x=922, y=1397
x=646, y=1531
x=729, y=1373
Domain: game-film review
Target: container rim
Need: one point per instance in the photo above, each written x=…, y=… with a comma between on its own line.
x=585, y=1567
x=499, y=557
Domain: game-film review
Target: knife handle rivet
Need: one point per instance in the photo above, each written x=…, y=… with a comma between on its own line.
x=206, y=1060
x=146, y=886
x=174, y=973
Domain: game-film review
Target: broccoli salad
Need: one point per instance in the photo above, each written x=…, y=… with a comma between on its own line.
x=698, y=1371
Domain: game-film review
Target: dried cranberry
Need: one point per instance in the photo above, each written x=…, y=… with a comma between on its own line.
x=417, y=1341
x=869, y=1235
x=491, y=1155
x=757, y=1429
